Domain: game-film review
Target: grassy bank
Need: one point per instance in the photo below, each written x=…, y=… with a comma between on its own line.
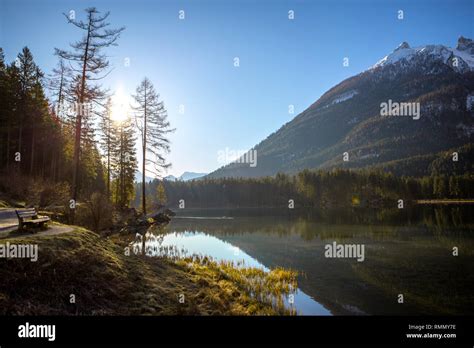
x=105, y=281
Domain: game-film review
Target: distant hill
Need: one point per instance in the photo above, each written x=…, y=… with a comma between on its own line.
x=170, y=178
x=186, y=176
x=138, y=177
x=191, y=176
x=348, y=118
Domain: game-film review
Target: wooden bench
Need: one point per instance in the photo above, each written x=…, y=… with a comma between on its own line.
x=30, y=217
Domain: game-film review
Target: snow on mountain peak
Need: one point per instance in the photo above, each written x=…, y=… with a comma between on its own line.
x=404, y=54
x=402, y=46
x=465, y=44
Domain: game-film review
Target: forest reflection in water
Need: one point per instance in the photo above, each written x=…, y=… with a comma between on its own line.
x=407, y=252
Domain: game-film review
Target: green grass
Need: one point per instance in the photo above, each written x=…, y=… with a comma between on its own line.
x=105, y=281
x=268, y=288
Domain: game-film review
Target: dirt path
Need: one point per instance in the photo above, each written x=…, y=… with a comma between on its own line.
x=53, y=229
x=9, y=226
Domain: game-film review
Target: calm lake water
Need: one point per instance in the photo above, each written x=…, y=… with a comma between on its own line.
x=408, y=253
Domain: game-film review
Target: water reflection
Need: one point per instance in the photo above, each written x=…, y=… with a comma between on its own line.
x=409, y=253
x=198, y=244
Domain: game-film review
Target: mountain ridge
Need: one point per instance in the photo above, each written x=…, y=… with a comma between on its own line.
x=347, y=117
x=186, y=176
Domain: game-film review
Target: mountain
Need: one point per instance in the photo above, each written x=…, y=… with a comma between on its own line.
x=170, y=178
x=138, y=177
x=432, y=85
x=191, y=176
x=186, y=176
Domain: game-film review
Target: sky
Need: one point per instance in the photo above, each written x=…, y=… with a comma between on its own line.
x=191, y=61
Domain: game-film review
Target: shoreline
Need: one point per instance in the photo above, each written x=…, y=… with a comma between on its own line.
x=444, y=201
x=105, y=281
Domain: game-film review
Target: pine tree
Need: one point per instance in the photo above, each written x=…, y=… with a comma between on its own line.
x=151, y=122
x=58, y=83
x=4, y=107
x=90, y=63
x=108, y=140
x=124, y=163
x=27, y=75
x=161, y=194
x=12, y=105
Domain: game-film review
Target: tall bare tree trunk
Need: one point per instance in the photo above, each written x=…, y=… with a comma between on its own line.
x=52, y=171
x=80, y=107
x=44, y=162
x=32, y=159
x=8, y=145
x=108, y=172
x=144, y=161
x=19, y=145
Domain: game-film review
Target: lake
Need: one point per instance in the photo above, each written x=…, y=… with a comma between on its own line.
x=406, y=253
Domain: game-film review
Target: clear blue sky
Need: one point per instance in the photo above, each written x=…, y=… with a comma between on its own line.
x=190, y=61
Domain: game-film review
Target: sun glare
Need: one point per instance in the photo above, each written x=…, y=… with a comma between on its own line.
x=120, y=105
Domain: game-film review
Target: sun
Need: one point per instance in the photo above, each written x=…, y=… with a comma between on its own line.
x=120, y=105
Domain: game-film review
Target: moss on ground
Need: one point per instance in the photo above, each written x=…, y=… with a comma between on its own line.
x=105, y=281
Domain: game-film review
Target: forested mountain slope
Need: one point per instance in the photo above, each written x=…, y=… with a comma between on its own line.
x=347, y=118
